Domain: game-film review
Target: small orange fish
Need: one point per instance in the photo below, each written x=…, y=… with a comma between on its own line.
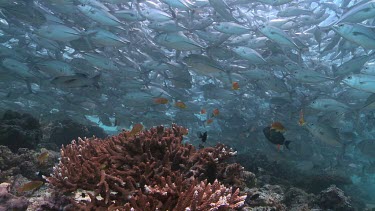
x=278, y=127
x=235, y=86
x=42, y=157
x=160, y=100
x=33, y=185
x=215, y=112
x=203, y=111
x=301, y=121
x=209, y=121
x=180, y=104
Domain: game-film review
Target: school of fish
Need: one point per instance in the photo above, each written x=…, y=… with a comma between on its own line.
x=232, y=68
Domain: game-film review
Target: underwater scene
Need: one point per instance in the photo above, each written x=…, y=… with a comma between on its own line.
x=187, y=105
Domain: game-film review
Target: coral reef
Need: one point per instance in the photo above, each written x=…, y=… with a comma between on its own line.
x=62, y=132
x=19, y=131
x=149, y=170
x=10, y=202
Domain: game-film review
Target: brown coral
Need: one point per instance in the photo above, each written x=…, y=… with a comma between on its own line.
x=147, y=171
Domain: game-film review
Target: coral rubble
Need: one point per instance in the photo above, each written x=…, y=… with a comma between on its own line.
x=150, y=170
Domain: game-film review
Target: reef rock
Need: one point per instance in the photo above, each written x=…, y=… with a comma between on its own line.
x=64, y=131
x=10, y=202
x=16, y=163
x=298, y=200
x=19, y=131
x=25, y=162
x=268, y=197
x=334, y=198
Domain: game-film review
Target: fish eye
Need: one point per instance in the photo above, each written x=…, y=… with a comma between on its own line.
x=349, y=77
x=341, y=25
x=83, y=5
x=314, y=102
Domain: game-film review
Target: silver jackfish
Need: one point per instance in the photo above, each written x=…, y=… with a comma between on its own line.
x=361, y=82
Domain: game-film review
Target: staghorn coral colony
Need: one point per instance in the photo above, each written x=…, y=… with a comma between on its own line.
x=151, y=170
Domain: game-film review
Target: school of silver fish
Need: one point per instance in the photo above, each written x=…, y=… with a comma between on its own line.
x=118, y=63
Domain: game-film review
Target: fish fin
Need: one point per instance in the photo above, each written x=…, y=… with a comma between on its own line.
x=29, y=88
x=81, y=74
x=369, y=100
x=70, y=81
x=287, y=144
x=195, y=44
x=334, y=68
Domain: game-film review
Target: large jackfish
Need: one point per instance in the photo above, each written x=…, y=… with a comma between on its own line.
x=325, y=134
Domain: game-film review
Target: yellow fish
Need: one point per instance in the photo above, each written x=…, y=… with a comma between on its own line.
x=180, y=104
x=30, y=186
x=42, y=157
x=160, y=100
x=301, y=121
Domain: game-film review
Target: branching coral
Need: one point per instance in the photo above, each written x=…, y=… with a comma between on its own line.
x=147, y=171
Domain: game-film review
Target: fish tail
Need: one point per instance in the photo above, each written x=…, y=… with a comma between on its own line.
x=357, y=116
x=96, y=81
x=287, y=144
x=29, y=88
x=319, y=44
